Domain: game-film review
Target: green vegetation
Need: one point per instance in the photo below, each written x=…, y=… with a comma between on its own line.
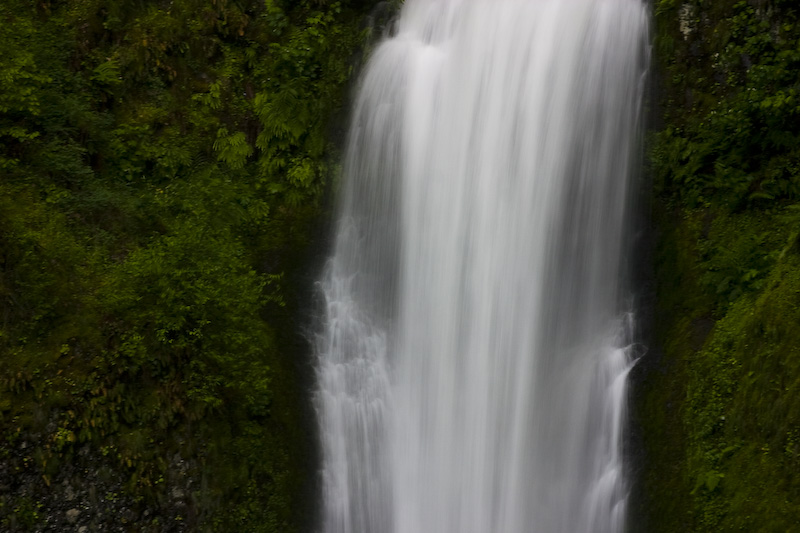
x=720, y=410
x=161, y=167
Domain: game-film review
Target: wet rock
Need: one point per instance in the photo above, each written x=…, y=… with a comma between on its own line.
x=72, y=515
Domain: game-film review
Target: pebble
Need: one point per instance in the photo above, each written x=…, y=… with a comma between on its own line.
x=72, y=515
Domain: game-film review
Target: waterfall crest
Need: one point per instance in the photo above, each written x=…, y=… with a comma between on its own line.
x=474, y=346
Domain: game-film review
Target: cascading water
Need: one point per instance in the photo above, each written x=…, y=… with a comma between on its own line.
x=473, y=353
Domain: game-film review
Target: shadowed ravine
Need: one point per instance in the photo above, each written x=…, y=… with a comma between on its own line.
x=475, y=343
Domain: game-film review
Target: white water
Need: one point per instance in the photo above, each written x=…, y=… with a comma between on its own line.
x=473, y=353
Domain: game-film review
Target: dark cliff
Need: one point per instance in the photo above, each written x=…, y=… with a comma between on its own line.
x=718, y=396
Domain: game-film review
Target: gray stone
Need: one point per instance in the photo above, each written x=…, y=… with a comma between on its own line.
x=72, y=515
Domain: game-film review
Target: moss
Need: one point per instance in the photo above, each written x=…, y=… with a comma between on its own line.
x=719, y=412
x=744, y=403
x=662, y=503
x=724, y=372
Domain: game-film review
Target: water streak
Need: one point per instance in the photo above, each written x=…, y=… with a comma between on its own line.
x=474, y=348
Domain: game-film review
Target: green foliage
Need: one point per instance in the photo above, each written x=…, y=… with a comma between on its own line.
x=738, y=252
x=162, y=166
x=743, y=410
x=726, y=166
x=734, y=111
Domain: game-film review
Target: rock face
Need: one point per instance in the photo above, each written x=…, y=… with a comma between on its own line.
x=89, y=493
x=718, y=396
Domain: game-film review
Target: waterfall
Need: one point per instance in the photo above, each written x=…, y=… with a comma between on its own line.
x=475, y=334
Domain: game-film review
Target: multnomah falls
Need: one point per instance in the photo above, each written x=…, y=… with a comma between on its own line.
x=477, y=320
